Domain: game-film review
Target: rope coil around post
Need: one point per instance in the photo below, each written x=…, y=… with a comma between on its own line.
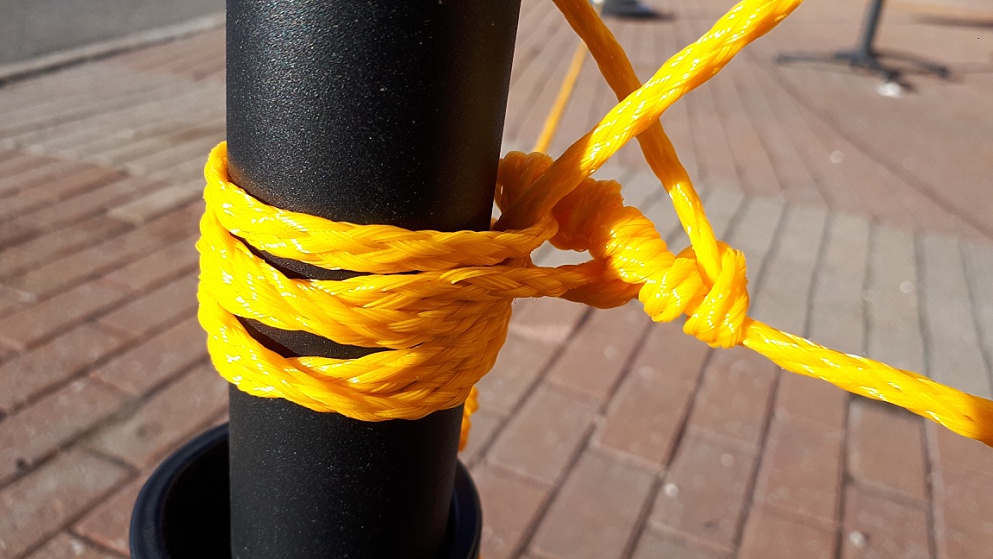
x=445, y=323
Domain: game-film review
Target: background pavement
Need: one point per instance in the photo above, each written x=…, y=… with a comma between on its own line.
x=867, y=224
x=36, y=33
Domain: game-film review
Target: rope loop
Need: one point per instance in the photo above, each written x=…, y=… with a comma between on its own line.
x=378, y=249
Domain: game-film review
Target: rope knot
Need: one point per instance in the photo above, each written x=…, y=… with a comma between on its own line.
x=717, y=313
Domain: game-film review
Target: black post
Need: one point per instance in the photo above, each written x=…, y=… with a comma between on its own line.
x=368, y=112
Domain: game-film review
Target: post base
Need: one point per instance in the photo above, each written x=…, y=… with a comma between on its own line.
x=632, y=9
x=183, y=511
x=869, y=61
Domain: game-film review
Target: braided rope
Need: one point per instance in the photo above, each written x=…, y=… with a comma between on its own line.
x=443, y=326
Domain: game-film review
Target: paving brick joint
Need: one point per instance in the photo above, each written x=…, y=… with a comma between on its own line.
x=865, y=219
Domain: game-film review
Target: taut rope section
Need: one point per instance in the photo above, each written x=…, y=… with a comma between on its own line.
x=444, y=325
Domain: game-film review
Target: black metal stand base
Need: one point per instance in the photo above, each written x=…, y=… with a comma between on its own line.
x=869, y=61
x=628, y=9
x=866, y=57
x=183, y=510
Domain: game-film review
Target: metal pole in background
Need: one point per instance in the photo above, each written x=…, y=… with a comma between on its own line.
x=369, y=112
x=869, y=27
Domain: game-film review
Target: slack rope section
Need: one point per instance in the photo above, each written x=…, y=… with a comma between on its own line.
x=438, y=304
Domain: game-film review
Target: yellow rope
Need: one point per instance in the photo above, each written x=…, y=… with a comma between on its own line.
x=444, y=325
x=561, y=100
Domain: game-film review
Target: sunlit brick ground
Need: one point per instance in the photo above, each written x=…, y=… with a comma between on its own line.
x=867, y=221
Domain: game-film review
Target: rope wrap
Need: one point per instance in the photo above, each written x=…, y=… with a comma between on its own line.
x=441, y=327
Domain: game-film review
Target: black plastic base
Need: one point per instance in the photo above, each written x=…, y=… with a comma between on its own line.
x=183, y=510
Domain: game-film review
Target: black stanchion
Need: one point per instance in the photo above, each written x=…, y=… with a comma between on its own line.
x=368, y=112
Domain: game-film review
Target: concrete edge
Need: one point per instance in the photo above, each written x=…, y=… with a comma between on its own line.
x=19, y=70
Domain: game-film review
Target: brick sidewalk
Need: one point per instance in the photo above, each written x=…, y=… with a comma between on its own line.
x=866, y=222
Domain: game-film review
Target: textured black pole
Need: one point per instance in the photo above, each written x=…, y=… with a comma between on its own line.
x=369, y=112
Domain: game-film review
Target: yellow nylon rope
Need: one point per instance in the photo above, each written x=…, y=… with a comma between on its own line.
x=444, y=325
x=561, y=100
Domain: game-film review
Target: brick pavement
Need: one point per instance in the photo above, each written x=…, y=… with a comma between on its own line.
x=866, y=221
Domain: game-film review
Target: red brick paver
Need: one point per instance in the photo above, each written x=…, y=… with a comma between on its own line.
x=865, y=221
